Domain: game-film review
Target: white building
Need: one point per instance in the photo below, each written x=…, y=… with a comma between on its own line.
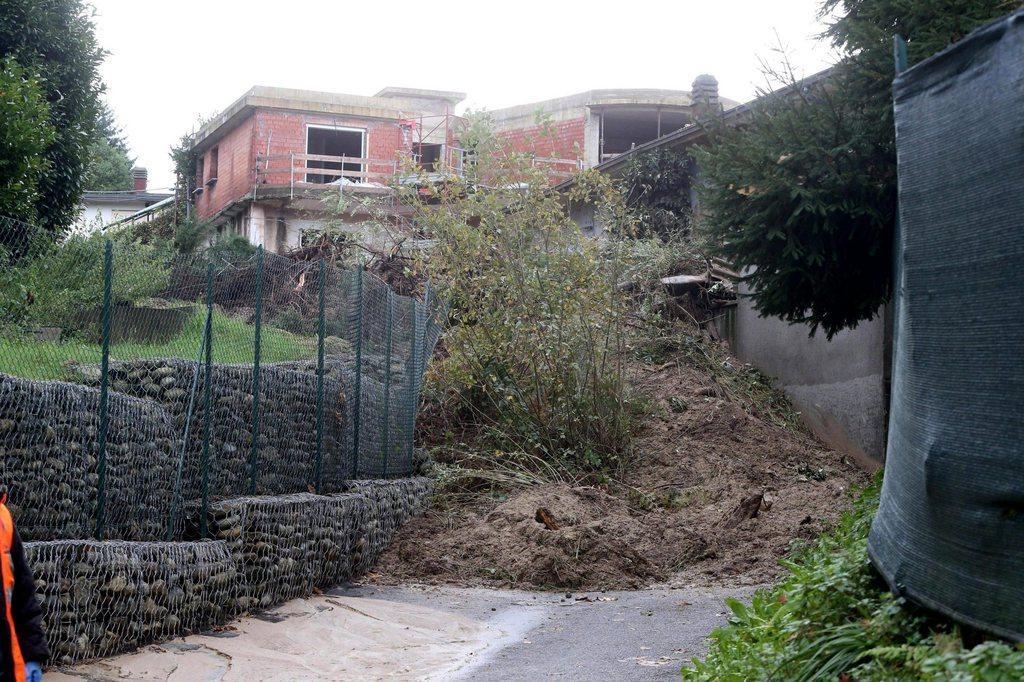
x=102, y=208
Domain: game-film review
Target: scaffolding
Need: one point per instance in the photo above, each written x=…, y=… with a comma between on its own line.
x=433, y=142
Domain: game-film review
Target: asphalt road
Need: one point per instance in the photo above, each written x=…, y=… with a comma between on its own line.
x=440, y=633
x=641, y=635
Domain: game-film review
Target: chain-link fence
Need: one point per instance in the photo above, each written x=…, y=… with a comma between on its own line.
x=138, y=386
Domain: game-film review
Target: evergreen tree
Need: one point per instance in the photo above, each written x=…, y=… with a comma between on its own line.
x=110, y=167
x=804, y=194
x=55, y=39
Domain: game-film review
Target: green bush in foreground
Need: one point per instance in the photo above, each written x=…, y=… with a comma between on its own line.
x=833, y=619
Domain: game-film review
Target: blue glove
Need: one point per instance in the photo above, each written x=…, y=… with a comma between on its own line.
x=33, y=673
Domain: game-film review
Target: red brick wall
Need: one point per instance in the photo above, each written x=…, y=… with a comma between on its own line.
x=560, y=140
x=234, y=171
x=284, y=132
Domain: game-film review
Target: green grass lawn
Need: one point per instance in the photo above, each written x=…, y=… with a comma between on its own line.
x=232, y=344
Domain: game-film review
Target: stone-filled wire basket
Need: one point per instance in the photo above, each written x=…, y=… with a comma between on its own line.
x=50, y=469
x=103, y=598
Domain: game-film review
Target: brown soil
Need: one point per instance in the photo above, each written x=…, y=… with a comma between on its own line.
x=690, y=511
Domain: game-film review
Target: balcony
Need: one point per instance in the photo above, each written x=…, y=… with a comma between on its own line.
x=320, y=171
x=301, y=174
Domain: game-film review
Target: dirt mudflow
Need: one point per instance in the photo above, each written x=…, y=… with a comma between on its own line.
x=717, y=495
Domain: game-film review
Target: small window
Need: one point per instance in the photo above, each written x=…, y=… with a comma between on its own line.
x=213, y=166
x=199, y=172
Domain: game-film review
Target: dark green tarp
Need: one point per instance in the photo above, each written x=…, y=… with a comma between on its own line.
x=949, y=533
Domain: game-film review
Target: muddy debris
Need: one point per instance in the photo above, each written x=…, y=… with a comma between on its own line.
x=719, y=492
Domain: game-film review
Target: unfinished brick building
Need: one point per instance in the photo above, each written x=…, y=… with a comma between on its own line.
x=266, y=164
x=590, y=127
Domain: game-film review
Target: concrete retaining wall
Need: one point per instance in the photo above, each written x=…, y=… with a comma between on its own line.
x=838, y=385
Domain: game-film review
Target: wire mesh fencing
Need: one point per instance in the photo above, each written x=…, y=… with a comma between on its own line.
x=139, y=386
x=102, y=598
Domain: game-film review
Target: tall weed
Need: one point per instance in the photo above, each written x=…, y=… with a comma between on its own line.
x=534, y=358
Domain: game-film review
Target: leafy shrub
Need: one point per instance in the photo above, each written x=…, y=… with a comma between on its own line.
x=25, y=135
x=833, y=618
x=656, y=186
x=230, y=250
x=56, y=39
x=535, y=347
x=189, y=234
x=53, y=287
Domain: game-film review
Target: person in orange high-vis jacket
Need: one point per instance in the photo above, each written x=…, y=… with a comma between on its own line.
x=23, y=649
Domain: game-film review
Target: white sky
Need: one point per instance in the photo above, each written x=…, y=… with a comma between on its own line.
x=171, y=63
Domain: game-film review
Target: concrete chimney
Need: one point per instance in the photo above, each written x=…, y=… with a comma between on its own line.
x=705, y=95
x=140, y=176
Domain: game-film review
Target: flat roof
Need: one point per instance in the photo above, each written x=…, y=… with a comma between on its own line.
x=389, y=107
x=609, y=97
x=419, y=93
x=124, y=197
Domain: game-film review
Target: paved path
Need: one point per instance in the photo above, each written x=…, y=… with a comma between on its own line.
x=442, y=633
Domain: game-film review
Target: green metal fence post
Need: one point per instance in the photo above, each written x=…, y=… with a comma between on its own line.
x=207, y=395
x=410, y=378
x=358, y=378
x=320, y=333
x=254, y=453
x=385, y=427
x=427, y=315
x=101, y=458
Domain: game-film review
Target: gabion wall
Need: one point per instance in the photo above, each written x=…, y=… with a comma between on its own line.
x=104, y=598
x=285, y=546
x=389, y=504
x=48, y=461
x=386, y=426
x=286, y=458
